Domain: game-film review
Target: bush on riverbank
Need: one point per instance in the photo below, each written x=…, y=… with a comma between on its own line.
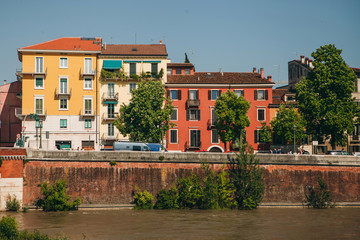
x=319, y=197
x=55, y=198
x=12, y=204
x=9, y=230
x=143, y=200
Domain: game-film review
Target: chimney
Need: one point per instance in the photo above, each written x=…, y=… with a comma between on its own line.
x=307, y=61
x=254, y=69
x=302, y=59
x=262, y=72
x=160, y=42
x=269, y=78
x=311, y=66
x=4, y=82
x=222, y=74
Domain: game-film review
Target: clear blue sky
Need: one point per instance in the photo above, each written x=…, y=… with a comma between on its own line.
x=233, y=35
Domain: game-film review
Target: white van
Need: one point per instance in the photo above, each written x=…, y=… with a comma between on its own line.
x=130, y=146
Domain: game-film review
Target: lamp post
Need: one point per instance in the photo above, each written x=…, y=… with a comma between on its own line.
x=294, y=137
x=40, y=126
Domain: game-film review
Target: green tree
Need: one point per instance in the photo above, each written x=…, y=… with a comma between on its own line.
x=232, y=118
x=146, y=117
x=283, y=125
x=246, y=175
x=265, y=133
x=186, y=59
x=324, y=97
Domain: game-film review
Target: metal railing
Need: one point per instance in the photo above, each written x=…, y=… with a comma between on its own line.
x=110, y=97
x=58, y=94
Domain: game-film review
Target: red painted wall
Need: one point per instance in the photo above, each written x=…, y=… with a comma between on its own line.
x=12, y=162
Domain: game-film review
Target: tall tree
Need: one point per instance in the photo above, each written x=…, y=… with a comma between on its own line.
x=324, y=97
x=232, y=118
x=284, y=123
x=186, y=59
x=146, y=117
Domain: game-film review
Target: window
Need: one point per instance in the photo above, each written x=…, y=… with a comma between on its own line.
x=178, y=70
x=88, y=123
x=88, y=83
x=154, y=68
x=239, y=93
x=213, y=94
x=169, y=71
x=63, y=123
x=193, y=114
x=110, y=130
x=193, y=94
x=63, y=85
x=257, y=136
x=39, y=64
x=132, y=68
x=39, y=105
x=88, y=105
x=261, y=114
x=174, y=115
x=87, y=65
x=173, y=136
x=214, y=116
x=111, y=90
x=175, y=94
x=187, y=71
x=214, y=136
x=63, y=103
x=132, y=86
x=261, y=95
x=195, y=138
x=110, y=110
x=39, y=83
x=63, y=62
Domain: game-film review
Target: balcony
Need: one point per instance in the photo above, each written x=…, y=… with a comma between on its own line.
x=110, y=97
x=192, y=146
x=19, y=73
x=354, y=139
x=20, y=115
x=211, y=124
x=87, y=73
x=86, y=113
x=106, y=117
x=63, y=93
x=192, y=103
x=105, y=137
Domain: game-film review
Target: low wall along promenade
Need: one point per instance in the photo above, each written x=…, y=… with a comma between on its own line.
x=90, y=175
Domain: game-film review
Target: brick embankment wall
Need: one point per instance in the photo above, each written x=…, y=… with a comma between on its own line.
x=93, y=179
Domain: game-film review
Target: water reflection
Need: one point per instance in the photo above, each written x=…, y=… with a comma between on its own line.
x=273, y=223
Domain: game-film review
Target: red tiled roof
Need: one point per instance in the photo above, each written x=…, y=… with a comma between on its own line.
x=180, y=65
x=278, y=95
x=218, y=78
x=356, y=69
x=134, y=49
x=68, y=43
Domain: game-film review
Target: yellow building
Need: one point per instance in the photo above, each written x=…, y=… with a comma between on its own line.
x=120, y=66
x=60, y=86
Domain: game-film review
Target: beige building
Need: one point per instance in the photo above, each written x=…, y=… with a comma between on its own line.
x=119, y=69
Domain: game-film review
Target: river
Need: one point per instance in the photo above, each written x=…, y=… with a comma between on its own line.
x=263, y=223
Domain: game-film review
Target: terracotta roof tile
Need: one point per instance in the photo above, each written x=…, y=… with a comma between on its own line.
x=218, y=78
x=134, y=49
x=180, y=65
x=68, y=43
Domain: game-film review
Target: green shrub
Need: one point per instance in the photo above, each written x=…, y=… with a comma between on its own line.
x=161, y=158
x=190, y=191
x=8, y=228
x=167, y=199
x=143, y=200
x=319, y=197
x=225, y=191
x=113, y=163
x=55, y=198
x=12, y=204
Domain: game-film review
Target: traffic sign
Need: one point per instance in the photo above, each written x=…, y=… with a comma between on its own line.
x=23, y=129
x=18, y=135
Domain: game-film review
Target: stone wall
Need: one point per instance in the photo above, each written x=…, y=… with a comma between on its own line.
x=91, y=176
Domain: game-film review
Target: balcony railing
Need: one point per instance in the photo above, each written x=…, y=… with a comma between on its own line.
x=355, y=138
x=105, y=137
x=110, y=97
x=192, y=145
x=193, y=103
x=63, y=93
x=20, y=115
x=109, y=117
x=20, y=73
x=86, y=113
x=87, y=73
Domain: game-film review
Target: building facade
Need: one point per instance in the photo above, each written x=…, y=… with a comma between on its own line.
x=193, y=96
x=297, y=69
x=60, y=93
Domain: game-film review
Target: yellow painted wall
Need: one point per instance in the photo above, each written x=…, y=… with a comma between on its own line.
x=52, y=81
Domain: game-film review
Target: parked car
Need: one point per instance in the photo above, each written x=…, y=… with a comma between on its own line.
x=130, y=146
x=337, y=152
x=156, y=147
x=356, y=154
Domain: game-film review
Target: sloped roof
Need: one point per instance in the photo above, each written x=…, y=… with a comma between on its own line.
x=134, y=49
x=218, y=78
x=180, y=65
x=68, y=44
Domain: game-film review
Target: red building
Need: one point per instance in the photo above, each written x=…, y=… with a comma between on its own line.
x=194, y=95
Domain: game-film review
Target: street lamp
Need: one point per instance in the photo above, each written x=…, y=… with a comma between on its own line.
x=294, y=136
x=40, y=126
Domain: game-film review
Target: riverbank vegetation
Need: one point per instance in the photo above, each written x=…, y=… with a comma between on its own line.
x=9, y=231
x=55, y=198
x=319, y=197
x=12, y=204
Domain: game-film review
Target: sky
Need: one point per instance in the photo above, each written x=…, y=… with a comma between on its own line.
x=232, y=35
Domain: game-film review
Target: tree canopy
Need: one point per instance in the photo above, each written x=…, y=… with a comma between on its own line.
x=325, y=97
x=232, y=118
x=146, y=117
